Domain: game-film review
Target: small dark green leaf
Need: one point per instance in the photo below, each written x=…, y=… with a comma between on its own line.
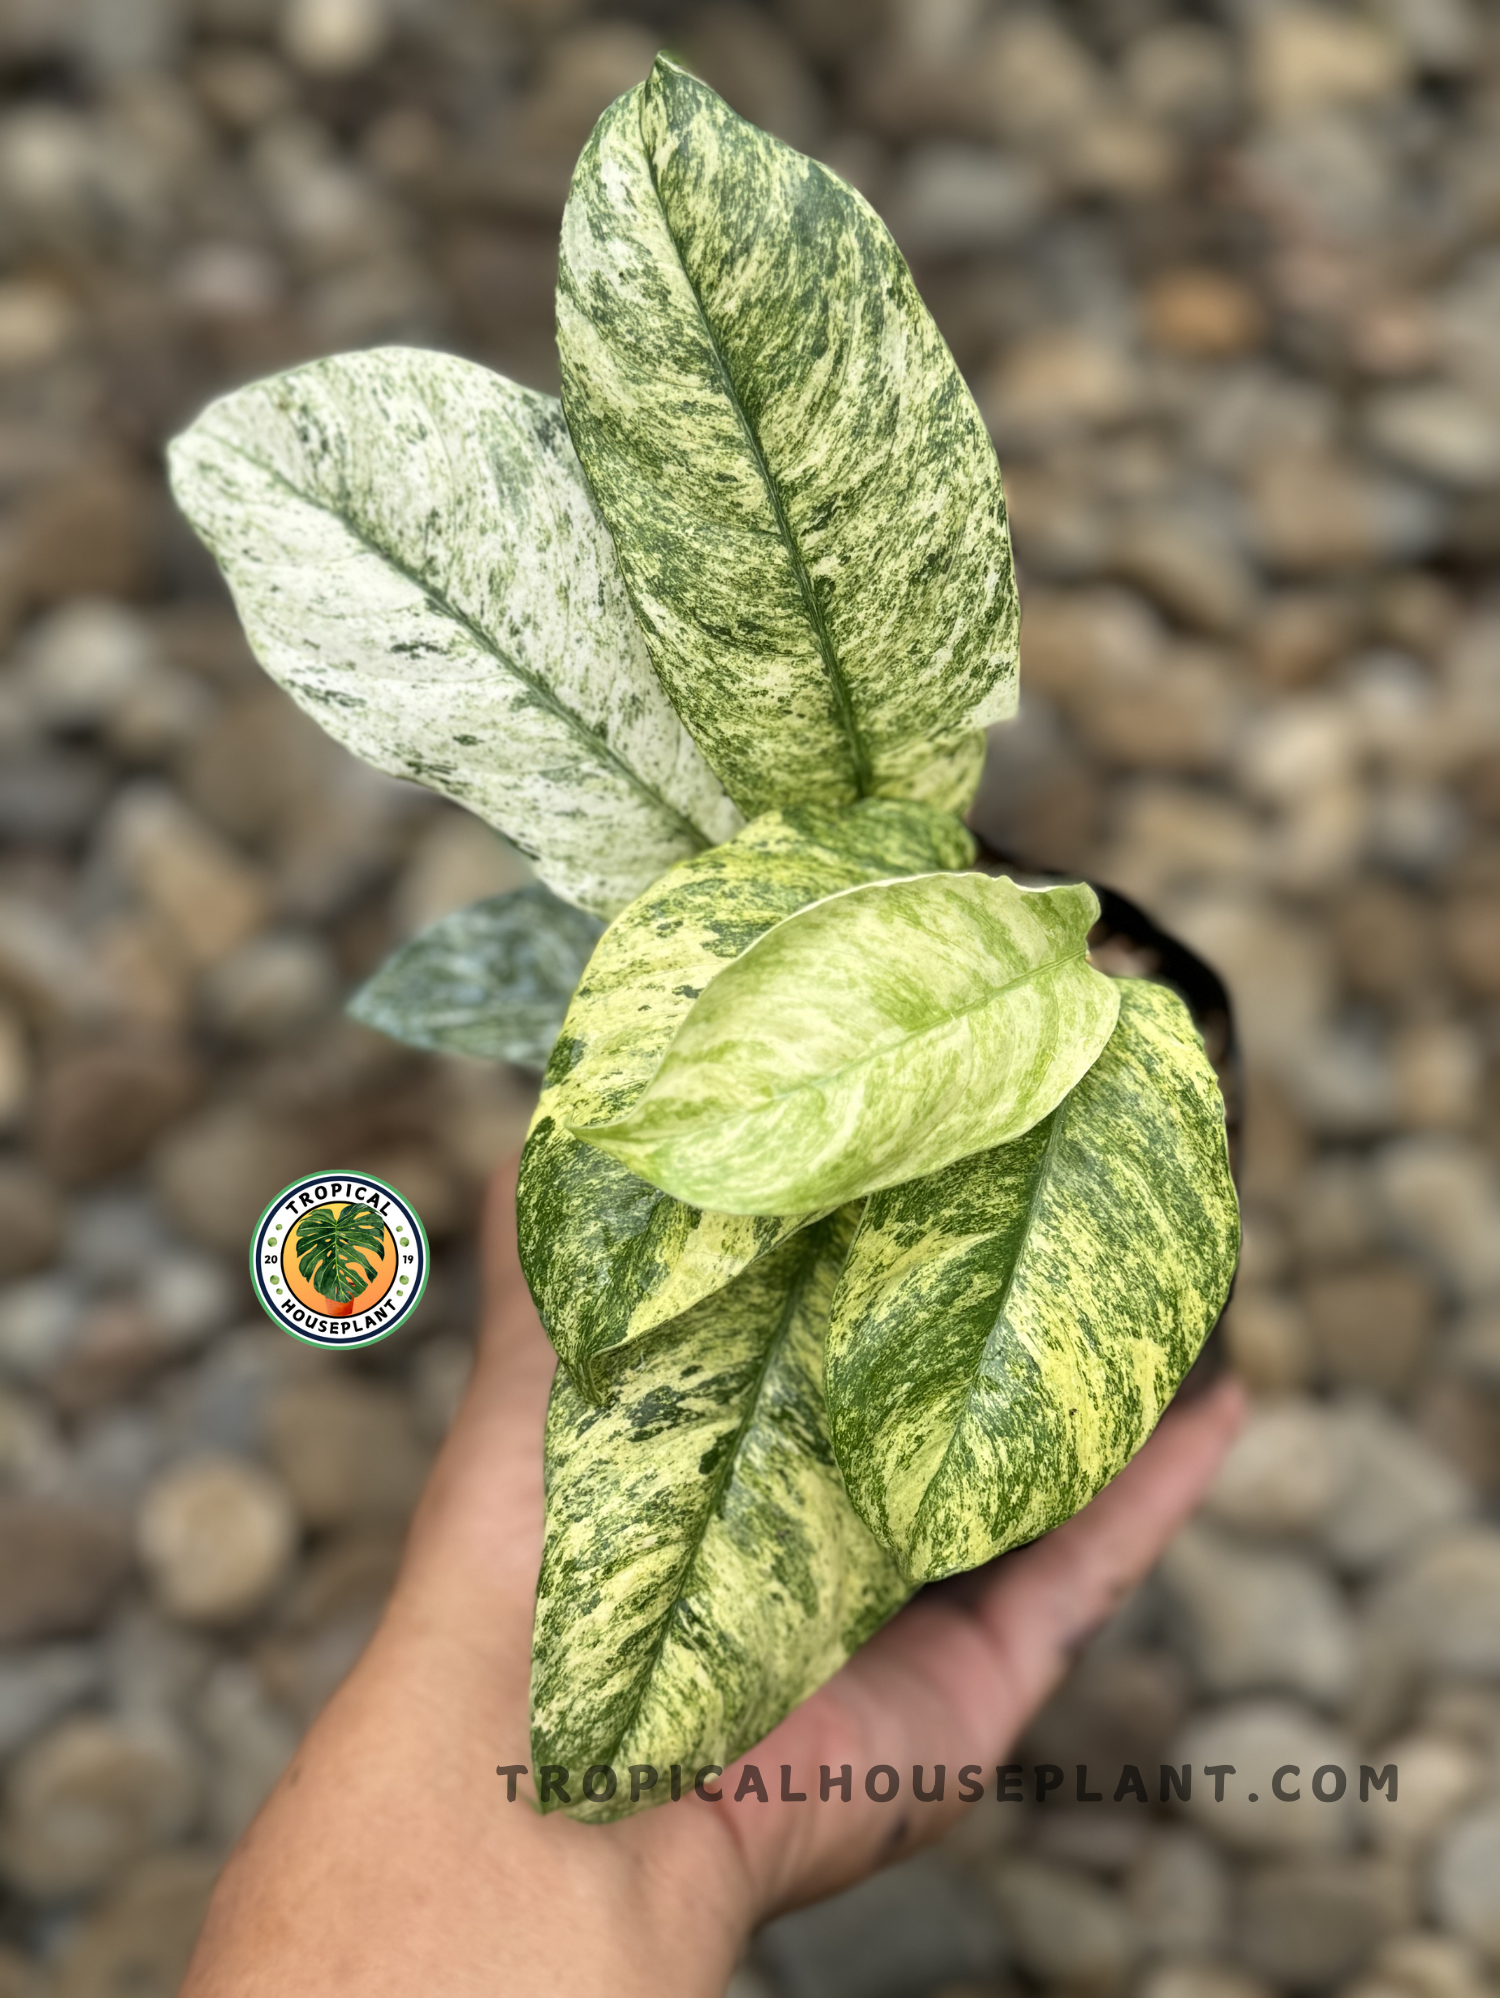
x=703, y=1570
x=493, y=980
x=1007, y=1332
x=607, y=1255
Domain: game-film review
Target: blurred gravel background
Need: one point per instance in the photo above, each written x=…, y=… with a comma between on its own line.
x=1226, y=280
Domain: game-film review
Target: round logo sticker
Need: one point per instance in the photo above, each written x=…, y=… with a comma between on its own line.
x=339, y=1259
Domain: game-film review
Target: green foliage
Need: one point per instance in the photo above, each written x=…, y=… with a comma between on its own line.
x=334, y=1248
x=874, y=1226
x=493, y=980
x=877, y=1036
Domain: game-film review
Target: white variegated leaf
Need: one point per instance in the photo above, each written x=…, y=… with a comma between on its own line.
x=703, y=1570
x=875, y=1037
x=1006, y=1333
x=415, y=556
x=805, y=503
x=493, y=980
x=607, y=1255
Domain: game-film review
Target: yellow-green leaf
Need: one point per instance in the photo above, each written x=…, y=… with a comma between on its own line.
x=805, y=503
x=609, y=1256
x=703, y=1570
x=873, y=1038
x=1006, y=1333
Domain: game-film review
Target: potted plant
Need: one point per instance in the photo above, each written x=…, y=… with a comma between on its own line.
x=874, y=1225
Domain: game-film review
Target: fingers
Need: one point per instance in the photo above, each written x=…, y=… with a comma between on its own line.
x=955, y=1677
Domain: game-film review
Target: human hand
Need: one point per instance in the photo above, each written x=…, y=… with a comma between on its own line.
x=388, y=1859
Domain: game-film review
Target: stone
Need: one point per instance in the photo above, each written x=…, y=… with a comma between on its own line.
x=82, y=661
x=1056, y=385
x=209, y=898
x=253, y=1741
x=39, y=1321
x=15, y=1073
x=1064, y=1928
x=439, y=1379
x=953, y=199
x=100, y=1106
x=917, y=1924
x=92, y=530
x=1306, y=59
x=31, y=1221
x=346, y=1450
x=1283, y=1473
x=1266, y=1334
x=1466, y=1879
x=1394, y=1492
x=1299, y=634
x=44, y=967
x=61, y=1565
x=33, y=1458
x=1311, y=511
x=1469, y=937
x=1387, y=941
x=457, y=861
x=1371, y=1326
x=271, y=989
x=1183, y=74
x=1439, y=1774
x=156, y=1667
x=1253, y=1618
x=1459, y=1418
x=1441, y=1608
x=1310, y=1923
x=1440, y=1194
x=1169, y=839
x=1178, y=714
x=327, y=1619
x=216, y=1173
x=1438, y=1068
x=334, y=37
x=140, y=1937
x=744, y=55
x=1202, y=1978
x=1438, y=432
x=41, y=1683
x=1276, y=966
x=115, y=1348
x=215, y=1538
x=1200, y=311
x=1258, y=1738
x=1424, y=1963
x=1187, y=565
x=1178, y=1894
x=89, y=1798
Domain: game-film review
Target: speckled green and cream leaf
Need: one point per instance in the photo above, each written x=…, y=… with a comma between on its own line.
x=703, y=1571
x=878, y=1036
x=415, y=556
x=806, y=506
x=607, y=1255
x=1006, y=1333
x=493, y=980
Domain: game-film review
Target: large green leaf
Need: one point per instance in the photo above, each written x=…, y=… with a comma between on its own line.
x=703, y=1570
x=416, y=558
x=493, y=980
x=607, y=1255
x=876, y=1037
x=1007, y=1332
x=805, y=503
x=334, y=1248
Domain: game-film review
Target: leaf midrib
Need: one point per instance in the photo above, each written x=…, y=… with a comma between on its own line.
x=440, y=603
x=843, y=700
x=1033, y=1206
x=812, y=1245
x=988, y=999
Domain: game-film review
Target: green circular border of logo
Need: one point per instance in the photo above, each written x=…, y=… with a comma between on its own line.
x=327, y=1343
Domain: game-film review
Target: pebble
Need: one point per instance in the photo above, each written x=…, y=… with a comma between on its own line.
x=252, y=1739
x=1421, y=1963
x=1178, y=1894
x=1439, y=1774
x=1064, y=1928
x=1443, y=1605
x=1257, y=1737
x=140, y=1937
x=1395, y=1490
x=1284, y=1472
x=271, y=989
x=31, y=1219
x=1255, y=1618
x=347, y=1451
x=100, y=1107
x=1310, y=1923
x=215, y=1538
x=90, y=1797
x=1371, y=1326
x=1466, y=1879
x=334, y=37
x=61, y=1566
x=39, y=1683
x=209, y=898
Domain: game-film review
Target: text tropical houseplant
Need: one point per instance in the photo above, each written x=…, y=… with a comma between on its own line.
x=874, y=1226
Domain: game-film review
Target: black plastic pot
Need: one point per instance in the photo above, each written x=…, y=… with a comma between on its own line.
x=1125, y=940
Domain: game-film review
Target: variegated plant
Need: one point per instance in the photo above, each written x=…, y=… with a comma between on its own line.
x=874, y=1226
